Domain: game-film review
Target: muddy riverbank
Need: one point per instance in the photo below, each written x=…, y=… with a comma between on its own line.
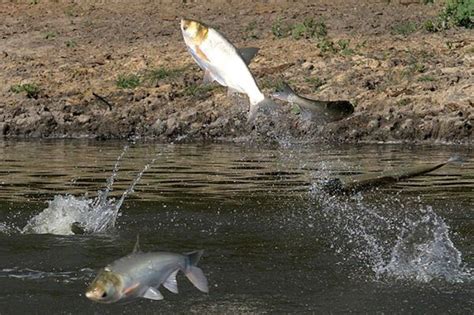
x=76, y=69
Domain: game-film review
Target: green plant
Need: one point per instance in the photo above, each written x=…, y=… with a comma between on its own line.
x=455, y=13
x=128, y=81
x=326, y=45
x=278, y=29
x=309, y=29
x=404, y=28
x=458, y=13
x=429, y=26
x=31, y=89
x=298, y=31
x=344, y=47
x=50, y=35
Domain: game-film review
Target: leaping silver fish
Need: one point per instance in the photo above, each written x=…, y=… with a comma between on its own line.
x=139, y=275
x=319, y=111
x=222, y=62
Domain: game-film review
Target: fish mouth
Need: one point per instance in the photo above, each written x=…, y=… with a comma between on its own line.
x=93, y=295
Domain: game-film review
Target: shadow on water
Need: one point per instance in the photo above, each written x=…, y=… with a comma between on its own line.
x=274, y=240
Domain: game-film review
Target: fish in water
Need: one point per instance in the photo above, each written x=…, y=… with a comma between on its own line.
x=353, y=184
x=319, y=111
x=139, y=275
x=223, y=63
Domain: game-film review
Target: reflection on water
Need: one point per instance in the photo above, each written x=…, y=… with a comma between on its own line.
x=214, y=171
x=274, y=241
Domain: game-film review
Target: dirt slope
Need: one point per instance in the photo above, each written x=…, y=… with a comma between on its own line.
x=406, y=83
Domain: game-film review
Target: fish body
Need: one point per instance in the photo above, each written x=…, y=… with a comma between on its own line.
x=352, y=184
x=320, y=111
x=139, y=275
x=222, y=62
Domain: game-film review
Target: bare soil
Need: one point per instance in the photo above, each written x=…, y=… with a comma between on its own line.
x=407, y=84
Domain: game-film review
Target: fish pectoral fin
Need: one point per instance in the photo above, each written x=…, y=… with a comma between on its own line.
x=153, y=294
x=208, y=77
x=171, y=283
x=201, y=54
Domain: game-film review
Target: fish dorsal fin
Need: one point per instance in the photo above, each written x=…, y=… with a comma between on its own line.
x=153, y=294
x=136, y=248
x=171, y=283
x=284, y=93
x=248, y=53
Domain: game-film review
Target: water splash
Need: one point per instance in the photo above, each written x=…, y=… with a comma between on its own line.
x=425, y=252
x=67, y=214
x=392, y=244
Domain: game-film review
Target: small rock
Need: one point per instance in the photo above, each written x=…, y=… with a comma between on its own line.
x=159, y=126
x=172, y=125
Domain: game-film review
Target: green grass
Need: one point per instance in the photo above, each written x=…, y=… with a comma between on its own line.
x=458, y=13
x=308, y=29
x=344, y=47
x=31, y=89
x=404, y=28
x=156, y=75
x=128, y=81
x=426, y=78
x=326, y=45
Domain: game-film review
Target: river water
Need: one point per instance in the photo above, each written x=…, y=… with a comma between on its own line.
x=274, y=241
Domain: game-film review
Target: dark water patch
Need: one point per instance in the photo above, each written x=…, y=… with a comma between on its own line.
x=271, y=243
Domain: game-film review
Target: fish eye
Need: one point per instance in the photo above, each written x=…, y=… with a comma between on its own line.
x=104, y=295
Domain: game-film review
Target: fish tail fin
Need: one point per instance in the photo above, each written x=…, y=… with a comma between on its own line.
x=265, y=106
x=194, y=273
x=283, y=92
x=456, y=159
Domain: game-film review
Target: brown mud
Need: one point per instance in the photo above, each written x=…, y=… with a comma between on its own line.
x=407, y=84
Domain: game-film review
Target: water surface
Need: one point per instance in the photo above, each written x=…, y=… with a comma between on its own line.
x=274, y=241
